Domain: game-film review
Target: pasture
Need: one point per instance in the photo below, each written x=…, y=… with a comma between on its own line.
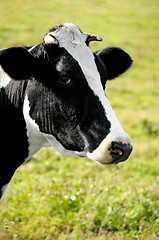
x=62, y=197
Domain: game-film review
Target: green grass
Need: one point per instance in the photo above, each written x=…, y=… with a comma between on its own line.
x=60, y=197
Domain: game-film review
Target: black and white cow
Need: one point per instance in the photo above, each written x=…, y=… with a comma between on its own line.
x=52, y=94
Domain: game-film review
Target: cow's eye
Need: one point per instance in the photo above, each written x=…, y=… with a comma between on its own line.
x=65, y=80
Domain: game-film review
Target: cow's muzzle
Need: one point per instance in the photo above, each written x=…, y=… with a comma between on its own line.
x=112, y=151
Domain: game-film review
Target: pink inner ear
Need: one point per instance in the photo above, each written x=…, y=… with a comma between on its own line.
x=93, y=37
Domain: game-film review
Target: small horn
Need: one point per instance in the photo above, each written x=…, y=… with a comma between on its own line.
x=49, y=39
x=93, y=37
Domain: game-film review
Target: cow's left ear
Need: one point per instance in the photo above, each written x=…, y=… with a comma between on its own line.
x=116, y=60
x=18, y=63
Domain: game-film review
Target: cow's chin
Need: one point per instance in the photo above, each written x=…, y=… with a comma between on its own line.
x=108, y=162
x=102, y=162
x=105, y=161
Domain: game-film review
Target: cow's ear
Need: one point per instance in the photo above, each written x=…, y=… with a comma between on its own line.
x=115, y=59
x=18, y=63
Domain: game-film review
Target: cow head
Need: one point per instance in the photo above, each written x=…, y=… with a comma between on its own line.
x=65, y=104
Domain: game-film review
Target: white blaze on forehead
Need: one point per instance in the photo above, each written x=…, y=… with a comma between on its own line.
x=74, y=41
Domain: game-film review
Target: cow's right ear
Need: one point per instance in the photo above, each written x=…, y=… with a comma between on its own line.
x=18, y=63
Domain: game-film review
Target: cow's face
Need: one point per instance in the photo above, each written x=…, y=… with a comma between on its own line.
x=65, y=97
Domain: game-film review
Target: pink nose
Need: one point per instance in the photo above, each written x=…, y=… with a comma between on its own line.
x=119, y=151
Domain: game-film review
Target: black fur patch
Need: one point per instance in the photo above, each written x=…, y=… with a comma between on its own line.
x=116, y=61
x=14, y=144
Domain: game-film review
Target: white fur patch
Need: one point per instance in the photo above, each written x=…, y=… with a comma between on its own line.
x=35, y=138
x=4, y=188
x=30, y=49
x=4, y=78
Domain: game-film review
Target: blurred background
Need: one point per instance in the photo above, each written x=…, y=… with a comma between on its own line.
x=61, y=197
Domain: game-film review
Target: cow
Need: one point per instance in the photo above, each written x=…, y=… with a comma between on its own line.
x=53, y=94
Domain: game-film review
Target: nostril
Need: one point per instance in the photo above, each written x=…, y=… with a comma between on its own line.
x=120, y=151
x=117, y=151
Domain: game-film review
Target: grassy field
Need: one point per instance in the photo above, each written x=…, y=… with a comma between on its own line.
x=61, y=197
